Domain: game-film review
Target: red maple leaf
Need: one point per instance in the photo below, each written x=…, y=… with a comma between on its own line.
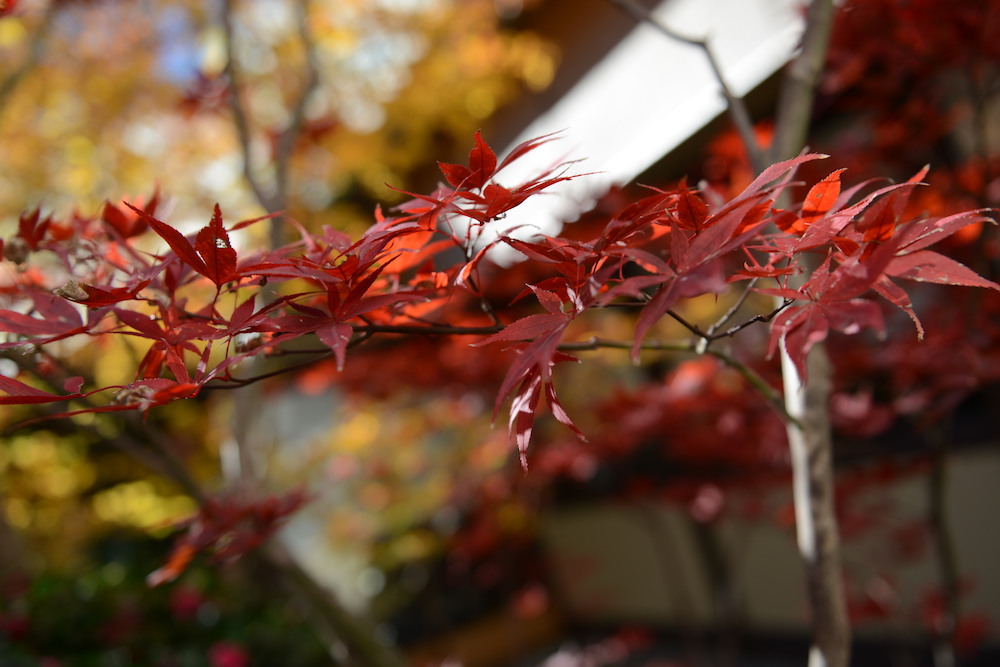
x=212, y=244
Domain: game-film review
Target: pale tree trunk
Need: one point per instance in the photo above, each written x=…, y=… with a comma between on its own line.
x=807, y=400
x=818, y=539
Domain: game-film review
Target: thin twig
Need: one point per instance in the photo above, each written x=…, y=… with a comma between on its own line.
x=484, y=304
x=437, y=330
x=234, y=382
x=596, y=343
x=767, y=317
x=710, y=335
x=735, y=105
x=731, y=312
x=769, y=393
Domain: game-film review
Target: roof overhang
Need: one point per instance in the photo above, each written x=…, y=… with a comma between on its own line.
x=650, y=93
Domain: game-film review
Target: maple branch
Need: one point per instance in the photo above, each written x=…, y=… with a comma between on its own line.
x=769, y=393
x=810, y=439
x=430, y=330
x=596, y=343
x=766, y=391
x=711, y=334
x=766, y=317
x=736, y=107
x=366, y=331
x=811, y=447
x=237, y=382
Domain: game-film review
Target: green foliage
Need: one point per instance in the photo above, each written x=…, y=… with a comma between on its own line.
x=106, y=615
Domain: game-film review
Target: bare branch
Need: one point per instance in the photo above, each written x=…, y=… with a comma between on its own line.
x=286, y=141
x=766, y=391
x=240, y=116
x=596, y=343
x=769, y=393
x=272, y=199
x=736, y=108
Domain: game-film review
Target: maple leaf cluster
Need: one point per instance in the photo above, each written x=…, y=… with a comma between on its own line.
x=227, y=527
x=202, y=308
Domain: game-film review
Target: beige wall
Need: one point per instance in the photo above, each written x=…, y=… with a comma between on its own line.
x=618, y=561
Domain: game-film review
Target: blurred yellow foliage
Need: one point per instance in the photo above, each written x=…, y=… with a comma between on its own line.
x=121, y=99
x=139, y=504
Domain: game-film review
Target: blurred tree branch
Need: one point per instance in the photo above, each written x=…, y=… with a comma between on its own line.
x=38, y=43
x=274, y=197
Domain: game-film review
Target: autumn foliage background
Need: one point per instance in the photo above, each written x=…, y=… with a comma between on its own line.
x=404, y=497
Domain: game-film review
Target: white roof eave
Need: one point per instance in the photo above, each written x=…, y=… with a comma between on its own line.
x=648, y=95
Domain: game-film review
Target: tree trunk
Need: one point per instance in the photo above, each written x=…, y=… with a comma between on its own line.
x=810, y=441
x=811, y=450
